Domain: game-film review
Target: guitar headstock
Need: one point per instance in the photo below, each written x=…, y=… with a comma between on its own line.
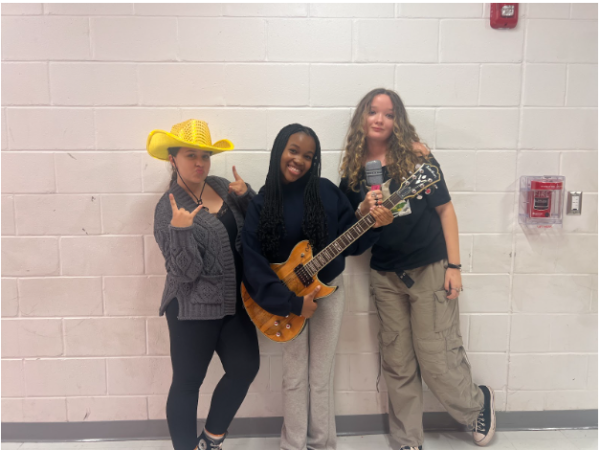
x=424, y=177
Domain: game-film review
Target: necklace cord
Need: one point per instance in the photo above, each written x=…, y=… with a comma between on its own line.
x=198, y=200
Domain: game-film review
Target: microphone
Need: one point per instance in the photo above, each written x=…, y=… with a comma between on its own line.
x=374, y=174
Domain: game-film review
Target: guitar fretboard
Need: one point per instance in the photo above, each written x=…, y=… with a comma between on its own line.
x=344, y=241
x=334, y=249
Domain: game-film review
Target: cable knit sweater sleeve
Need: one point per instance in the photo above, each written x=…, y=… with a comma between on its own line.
x=178, y=245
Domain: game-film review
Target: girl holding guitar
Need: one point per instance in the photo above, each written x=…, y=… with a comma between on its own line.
x=415, y=277
x=296, y=204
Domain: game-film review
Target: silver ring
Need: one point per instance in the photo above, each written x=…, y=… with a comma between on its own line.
x=456, y=289
x=374, y=195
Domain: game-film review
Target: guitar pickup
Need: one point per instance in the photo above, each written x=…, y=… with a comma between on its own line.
x=304, y=278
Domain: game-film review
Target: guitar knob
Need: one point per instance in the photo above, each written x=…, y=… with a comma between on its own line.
x=276, y=323
x=419, y=197
x=428, y=191
x=278, y=334
x=429, y=180
x=414, y=191
x=288, y=326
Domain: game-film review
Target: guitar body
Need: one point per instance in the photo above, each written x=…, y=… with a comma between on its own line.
x=278, y=328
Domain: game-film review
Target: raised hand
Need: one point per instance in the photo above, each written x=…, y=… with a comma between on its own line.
x=383, y=216
x=181, y=217
x=309, y=307
x=238, y=187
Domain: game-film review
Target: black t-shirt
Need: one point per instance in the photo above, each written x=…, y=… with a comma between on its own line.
x=415, y=237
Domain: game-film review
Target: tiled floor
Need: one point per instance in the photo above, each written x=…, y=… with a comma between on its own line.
x=514, y=440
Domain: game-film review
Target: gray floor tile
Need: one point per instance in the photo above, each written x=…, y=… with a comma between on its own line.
x=252, y=444
x=513, y=440
x=374, y=441
x=579, y=434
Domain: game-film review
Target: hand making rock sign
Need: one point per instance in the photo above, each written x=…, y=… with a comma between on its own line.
x=181, y=217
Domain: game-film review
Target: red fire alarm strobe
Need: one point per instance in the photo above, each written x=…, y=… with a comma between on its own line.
x=504, y=15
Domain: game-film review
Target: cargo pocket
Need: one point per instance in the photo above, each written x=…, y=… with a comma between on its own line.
x=432, y=356
x=455, y=353
x=209, y=290
x=445, y=311
x=388, y=347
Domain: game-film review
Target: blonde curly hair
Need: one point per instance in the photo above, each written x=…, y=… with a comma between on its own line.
x=400, y=155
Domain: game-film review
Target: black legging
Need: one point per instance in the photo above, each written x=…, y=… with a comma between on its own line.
x=193, y=343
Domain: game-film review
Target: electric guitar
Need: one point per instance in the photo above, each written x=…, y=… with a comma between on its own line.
x=299, y=272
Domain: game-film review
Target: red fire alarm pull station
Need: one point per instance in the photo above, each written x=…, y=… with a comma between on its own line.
x=541, y=201
x=504, y=15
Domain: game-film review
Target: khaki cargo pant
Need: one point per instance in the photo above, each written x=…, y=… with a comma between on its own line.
x=420, y=336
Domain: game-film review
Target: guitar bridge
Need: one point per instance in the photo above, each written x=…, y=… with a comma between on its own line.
x=304, y=278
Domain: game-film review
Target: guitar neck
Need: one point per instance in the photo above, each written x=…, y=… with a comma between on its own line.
x=346, y=239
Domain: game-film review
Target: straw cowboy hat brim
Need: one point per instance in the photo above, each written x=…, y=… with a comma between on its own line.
x=191, y=134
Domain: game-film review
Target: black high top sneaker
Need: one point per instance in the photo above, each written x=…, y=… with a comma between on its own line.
x=485, y=427
x=205, y=442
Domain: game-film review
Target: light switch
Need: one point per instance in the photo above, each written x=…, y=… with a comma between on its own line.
x=574, y=202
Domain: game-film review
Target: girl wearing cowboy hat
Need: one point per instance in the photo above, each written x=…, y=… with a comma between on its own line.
x=197, y=226
x=415, y=276
x=296, y=204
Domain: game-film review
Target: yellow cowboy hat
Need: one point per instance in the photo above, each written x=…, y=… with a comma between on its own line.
x=191, y=134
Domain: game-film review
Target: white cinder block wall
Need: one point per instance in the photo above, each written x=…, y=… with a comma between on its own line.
x=83, y=84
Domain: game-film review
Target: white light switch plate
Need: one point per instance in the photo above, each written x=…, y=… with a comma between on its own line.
x=574, y=200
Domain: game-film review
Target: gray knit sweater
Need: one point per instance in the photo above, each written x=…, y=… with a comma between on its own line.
x=199, y=259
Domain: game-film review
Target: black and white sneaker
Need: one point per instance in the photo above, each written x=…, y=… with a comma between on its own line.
x=485, y=427
x=407, y=447
x=205, y=442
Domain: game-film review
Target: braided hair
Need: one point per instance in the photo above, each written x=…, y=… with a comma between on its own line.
x=271, y=224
